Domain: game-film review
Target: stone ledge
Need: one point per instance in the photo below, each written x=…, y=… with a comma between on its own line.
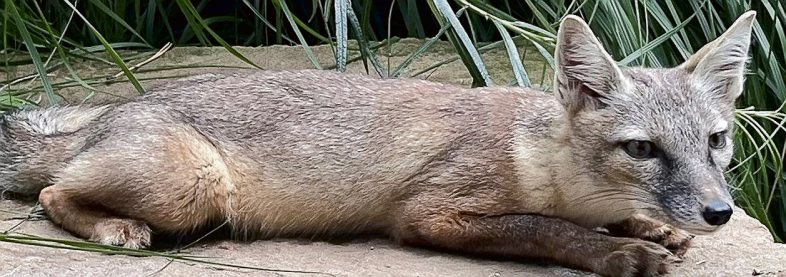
x=740, y=249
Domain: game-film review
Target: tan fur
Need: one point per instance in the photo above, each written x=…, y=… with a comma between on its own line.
x=497, y=171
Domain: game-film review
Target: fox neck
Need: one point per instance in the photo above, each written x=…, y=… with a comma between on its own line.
x=556, y=184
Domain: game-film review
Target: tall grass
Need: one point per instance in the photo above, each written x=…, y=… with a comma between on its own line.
x=53, y=34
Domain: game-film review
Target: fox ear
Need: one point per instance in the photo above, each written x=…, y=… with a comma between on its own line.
x=585, y=74
x=719, y=66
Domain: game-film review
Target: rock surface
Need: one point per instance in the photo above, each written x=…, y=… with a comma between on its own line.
x=744, y=248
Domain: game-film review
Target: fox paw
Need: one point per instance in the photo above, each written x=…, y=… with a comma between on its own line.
x=642, y=227
x=635, y=257
x=127, y=233
x=676, y=240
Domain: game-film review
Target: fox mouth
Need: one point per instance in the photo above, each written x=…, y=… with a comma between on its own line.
x=696, y=228
x=701, y=230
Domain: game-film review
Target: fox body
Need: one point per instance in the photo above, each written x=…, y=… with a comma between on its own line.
x=497, y=171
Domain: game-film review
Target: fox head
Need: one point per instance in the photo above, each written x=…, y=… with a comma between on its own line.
x=660, y=137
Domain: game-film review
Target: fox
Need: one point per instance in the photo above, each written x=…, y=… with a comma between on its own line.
x=613, y=171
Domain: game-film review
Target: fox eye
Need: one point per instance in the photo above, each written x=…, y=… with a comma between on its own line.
x=718, y=140
x=640, y=149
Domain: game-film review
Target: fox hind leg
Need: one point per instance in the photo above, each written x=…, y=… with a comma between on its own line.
x=171, y=180
x=64, y=206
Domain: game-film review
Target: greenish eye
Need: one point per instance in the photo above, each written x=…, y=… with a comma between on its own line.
x=640, y=149
x=718, y=140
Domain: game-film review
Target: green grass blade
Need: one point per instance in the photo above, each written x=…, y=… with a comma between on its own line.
x=365, y=50
x=198, y=23
x=110, y=51
x=192, y=26
x=539, y=15
x=659, y=14
x=61, y=53
x=115, y=250
x=461, y=41
x=116, y=18
x=31, y=48
x=775, y=77
x=513, y=53
x=655, y=42
x=310, y=30
x=412, y=20
x=164, y=17
x=265, y=21
x=422, y=49
x=365, y=19
x=342, y=36
x=291, y=18
x=546, y=54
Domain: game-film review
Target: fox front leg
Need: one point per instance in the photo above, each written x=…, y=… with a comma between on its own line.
x=646, y=228
x=533, y=237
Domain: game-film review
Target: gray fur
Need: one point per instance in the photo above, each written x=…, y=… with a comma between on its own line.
x=293, y=153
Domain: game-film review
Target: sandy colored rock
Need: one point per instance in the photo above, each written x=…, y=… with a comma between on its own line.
x=744, y=248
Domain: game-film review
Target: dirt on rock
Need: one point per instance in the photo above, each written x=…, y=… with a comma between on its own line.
x=743, y=248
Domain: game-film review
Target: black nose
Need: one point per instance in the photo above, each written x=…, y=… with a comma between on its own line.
x=717, y=213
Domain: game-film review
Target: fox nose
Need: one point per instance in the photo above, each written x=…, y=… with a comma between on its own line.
x=717, y=213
